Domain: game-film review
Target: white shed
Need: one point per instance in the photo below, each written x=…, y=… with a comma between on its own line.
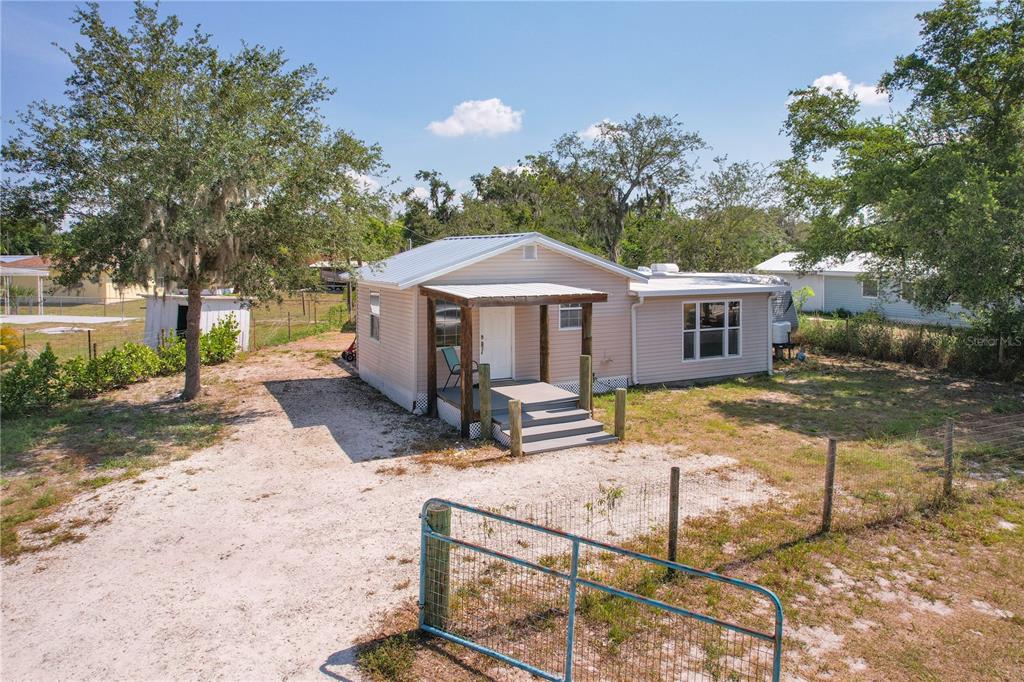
x=166, y=315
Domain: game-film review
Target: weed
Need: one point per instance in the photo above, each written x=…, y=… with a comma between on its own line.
x=389, y=660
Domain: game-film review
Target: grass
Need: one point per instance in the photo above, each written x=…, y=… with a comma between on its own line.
x=938, y=557
x=87, y=444
x=389, y=660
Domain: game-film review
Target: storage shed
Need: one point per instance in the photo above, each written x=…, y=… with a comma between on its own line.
x=167, y=314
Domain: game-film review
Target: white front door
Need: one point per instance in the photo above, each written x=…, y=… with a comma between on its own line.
x=496, y=329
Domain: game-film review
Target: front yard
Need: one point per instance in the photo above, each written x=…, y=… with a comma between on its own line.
x=265, y=530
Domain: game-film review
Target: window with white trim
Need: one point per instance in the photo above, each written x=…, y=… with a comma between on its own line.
x=375, y=316
x=570, y=316
x=711, y=329
x=447, y=324
x=869, y=288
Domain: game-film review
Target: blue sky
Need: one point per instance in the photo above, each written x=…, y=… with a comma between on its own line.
x=724, y=69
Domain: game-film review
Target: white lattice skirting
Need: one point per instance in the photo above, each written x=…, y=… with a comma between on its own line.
x=453, y=417
x=601, y=384
x=420, y=406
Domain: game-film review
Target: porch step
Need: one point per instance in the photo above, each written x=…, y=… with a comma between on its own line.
x=556, y=415
x=576, y=441
x=541, y=432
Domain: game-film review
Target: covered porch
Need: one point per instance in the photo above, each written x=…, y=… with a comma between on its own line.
x=470, y=296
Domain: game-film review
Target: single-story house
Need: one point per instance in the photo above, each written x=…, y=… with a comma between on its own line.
x=529, y=306
x=100, y=290
x=167, y=315
x=848, y=285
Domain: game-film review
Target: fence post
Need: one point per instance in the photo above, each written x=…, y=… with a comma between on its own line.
x=849, y=339
x=94, y=353
x=947, y=482
x=314, y=310
x=437, y=597
x=673, y=515
x=620, y=413
x=484, y=380
x=289, y=325
x=88, y=344
x=586, y=384
x=830, y=482
x=24, y=344
x=515, y=427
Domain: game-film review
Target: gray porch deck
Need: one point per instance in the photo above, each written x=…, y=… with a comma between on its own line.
x=533, y=394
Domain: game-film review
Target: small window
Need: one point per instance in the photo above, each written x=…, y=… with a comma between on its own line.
x=689, y=331
x=733, y=329
x=447, y=324
x=869, y=288
x=530, y=252
x=907, y=291
x=375, y=316
x=570, y=316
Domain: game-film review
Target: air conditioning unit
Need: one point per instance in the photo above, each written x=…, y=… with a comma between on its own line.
x=664, y=268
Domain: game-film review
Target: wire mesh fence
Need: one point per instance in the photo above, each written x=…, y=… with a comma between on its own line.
x=80, y=327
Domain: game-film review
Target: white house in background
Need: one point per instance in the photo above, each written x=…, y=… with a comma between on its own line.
x=167, y=315
x=847, y=285
x=529, y=306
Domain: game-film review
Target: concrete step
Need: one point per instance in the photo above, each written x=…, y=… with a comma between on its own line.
x=558, y=415
x=558, y=404
x=560, y=430
x=564, y=443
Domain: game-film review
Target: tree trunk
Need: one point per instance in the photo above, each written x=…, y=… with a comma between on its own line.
x=195, y=308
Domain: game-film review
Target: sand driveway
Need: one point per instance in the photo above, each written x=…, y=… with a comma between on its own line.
x=268, y=555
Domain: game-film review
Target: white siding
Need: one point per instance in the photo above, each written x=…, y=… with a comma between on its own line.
x=388, y=364
x=816, y=283
x=659, y=329
x=845, y=293
x=611, y=324
x=162, y=317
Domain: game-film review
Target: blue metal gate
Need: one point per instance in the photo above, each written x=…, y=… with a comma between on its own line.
x=539, y=599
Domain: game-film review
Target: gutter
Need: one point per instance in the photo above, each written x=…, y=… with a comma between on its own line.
x=632, y=318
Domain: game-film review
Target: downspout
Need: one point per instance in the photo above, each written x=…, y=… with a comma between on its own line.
x=632, y=317
x=771, y=336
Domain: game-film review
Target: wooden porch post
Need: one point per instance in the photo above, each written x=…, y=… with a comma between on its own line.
x=466, y=366
x=545, y=347
x=431, y=357
x=588, y=317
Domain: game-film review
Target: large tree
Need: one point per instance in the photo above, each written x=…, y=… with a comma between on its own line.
x=627, y=170
x=28, y=220
x=935, y=192
x=188, y=167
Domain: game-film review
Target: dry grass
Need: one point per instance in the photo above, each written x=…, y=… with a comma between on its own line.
x=893, y=593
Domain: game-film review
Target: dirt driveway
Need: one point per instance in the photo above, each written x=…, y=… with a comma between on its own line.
x=268, y=555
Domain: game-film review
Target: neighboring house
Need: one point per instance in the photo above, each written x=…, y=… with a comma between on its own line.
x=534, y=305
x=167, y=315
x=847, y=285
x=103, y=290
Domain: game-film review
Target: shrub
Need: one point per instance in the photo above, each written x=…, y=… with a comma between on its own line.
x=10, y=344
x=171, y=354
x=221, y=343
x=32, y=385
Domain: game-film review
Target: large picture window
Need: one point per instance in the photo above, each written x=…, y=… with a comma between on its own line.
x=375, y=316
x=570, y=316
x=447, y=324
x=711, y=329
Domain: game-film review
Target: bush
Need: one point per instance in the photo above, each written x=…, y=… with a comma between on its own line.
x=221, y=343
x=171, y=354
x=34, y=385
x=10, y=344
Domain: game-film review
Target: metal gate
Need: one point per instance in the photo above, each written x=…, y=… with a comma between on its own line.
x=543, y=600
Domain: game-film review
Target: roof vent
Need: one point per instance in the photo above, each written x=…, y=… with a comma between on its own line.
x=530, y=252
x=664, y=268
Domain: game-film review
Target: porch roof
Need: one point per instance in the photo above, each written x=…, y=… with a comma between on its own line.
x=512, y=293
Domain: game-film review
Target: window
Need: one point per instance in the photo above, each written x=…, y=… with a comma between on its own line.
x=447, y=324
x=869, y=288
x=530, y=252
x=711, y=329
x=907, y=291
x=570, y=316
x=375, y=316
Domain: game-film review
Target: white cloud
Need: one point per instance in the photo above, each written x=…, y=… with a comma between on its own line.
x=867, y=94
x=593, y=131
x=421, y=193
x=479, y=117
x=363, y=182
x=517, y=169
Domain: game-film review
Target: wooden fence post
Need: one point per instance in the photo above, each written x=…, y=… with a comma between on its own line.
x=484, y=380
x=289, y=325
x=88, y=344
x=437, y=596
x=94, y=353
x=515, y=427
x=620, y=413
x=830, y=482
x=673, y=514
x=947, y=481
x=586, y=384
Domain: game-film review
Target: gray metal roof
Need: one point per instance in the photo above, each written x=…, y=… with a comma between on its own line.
x=446, y=255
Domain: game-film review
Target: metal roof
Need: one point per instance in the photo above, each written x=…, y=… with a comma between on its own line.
x=854, y=264
x=14, y=271
x=446, y=255
x=522, y=293
x=708, y=283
